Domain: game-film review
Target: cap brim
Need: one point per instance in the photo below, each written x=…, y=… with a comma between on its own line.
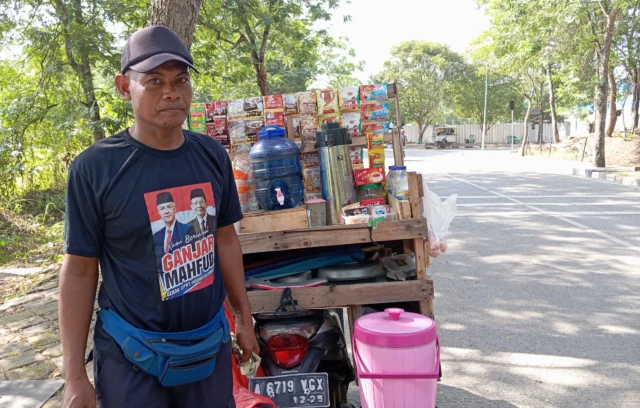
x=156, y=60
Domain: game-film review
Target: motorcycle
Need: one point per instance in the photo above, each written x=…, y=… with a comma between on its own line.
x=304, y=357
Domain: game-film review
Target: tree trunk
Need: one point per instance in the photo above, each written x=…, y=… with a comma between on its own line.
x=635, y=102
x=70, y=15
x=420, y=131
x=600, y=100
x=541, y=119
x=552, y=105
x=525, y=138
x=261, y=76
x=613, y=112
x=180, y=16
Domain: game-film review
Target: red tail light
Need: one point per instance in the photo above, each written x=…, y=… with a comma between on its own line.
x=287, y=350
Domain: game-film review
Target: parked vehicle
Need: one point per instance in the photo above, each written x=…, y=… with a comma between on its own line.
x=304, y=357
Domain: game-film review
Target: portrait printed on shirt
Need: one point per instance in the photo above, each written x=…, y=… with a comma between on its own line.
x=183, y=221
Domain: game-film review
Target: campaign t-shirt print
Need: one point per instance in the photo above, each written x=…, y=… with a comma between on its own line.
x=183, y=221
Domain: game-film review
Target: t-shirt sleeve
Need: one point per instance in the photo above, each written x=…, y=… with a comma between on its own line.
x=83, y=218
x=230, y=211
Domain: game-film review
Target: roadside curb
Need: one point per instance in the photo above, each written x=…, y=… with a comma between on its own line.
x=607, y=176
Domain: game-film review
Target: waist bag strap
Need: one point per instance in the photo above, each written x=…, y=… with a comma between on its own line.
x=175, y=358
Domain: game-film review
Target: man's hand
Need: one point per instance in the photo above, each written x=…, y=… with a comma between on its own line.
x=247, y=340
x=79, y=394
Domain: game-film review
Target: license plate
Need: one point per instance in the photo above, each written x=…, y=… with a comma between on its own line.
x=294, y=390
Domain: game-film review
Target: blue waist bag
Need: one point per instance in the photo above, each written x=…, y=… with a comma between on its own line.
x=175, y=358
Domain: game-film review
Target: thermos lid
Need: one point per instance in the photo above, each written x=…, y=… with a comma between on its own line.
x=332, y=135
x=395, y=328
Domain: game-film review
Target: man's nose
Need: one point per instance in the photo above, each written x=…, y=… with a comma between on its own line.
x=170, y=92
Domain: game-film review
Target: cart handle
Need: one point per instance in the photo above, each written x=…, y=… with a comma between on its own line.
x=432, y=375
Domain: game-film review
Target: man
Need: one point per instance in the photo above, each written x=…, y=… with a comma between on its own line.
x=110, y=194
x=173, y=233
x=203, y=222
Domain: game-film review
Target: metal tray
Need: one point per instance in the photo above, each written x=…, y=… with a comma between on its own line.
x=351, y=272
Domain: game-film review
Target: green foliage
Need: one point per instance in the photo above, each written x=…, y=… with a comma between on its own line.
x=44, y=114
x=425, y=73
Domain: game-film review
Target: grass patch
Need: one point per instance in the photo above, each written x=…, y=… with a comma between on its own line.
x=32, y=228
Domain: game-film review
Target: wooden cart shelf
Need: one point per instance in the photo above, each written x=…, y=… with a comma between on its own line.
x=331, y=236
x=323, y=297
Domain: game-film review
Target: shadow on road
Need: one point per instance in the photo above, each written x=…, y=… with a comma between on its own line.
x=452, y=397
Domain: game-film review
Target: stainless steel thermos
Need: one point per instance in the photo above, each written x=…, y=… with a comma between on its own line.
x=338, y=187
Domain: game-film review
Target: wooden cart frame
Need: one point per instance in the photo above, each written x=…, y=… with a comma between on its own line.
x=410, y=228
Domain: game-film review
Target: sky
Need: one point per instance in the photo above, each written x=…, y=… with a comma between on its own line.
x=377, y=25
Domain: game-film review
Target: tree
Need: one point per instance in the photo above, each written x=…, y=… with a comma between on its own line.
x=627, y=49
x=469, y=92
x=602, y=51
x=425, y=72
x=251, y=25
x=181, y=16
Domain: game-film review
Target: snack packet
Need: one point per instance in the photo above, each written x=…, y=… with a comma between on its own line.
x=375, y=141
x=307, y=103
x=312, y=183
x=273, y=102
x=290, y=104
x=274, y=118
x=375, y=128
x=296, y=128
x=310, y=160
x=373, y=92
x=352, y=121
x=252, y=129
x=328, y=119
x=371, y=175
x=235, y=109
x=375, y=111
x=308, y=127
x=376, y=158
x=221, y=126
x=327, y=100
x=253, y=107
x=198, y=127
x=210, y=110
x=356, y=154
x=237, y=131
x=349, y=99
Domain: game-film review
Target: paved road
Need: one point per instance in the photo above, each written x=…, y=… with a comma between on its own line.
x=538, y=300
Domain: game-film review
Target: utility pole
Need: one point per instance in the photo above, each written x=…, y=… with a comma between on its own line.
x=484, y=120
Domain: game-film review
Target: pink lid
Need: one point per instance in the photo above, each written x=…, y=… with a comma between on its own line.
x=395, y=328
x=315, y=201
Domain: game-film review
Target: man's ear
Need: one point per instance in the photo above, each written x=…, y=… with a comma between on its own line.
x=123, y=84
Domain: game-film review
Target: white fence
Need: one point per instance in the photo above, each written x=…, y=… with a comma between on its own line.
x=497, y=134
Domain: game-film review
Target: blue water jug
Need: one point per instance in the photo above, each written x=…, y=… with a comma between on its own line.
x=277, y=170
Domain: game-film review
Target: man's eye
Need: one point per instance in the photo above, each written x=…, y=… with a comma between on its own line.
x=183, y=80
x=154, y=81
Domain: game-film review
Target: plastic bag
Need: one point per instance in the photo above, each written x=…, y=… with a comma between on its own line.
x=439, y=216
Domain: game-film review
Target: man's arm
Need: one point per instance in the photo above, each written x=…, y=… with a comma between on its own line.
x=78, y=282
x=230, y=254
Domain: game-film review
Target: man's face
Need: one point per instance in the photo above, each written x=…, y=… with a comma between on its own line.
x=160, y=97
x=199, y=205
x=168, y=212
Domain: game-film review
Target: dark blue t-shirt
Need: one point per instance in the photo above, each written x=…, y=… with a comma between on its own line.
x=151, y=216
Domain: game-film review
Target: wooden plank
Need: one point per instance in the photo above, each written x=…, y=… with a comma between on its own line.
x=331, y=235
x=420, y=185
x=290, y=129
x=402, y=207
x=426, y=308
x=398, y=157
x=391, y=90
x=414, y=195
x=269, y=221
x=421, y=259
x=325, y=297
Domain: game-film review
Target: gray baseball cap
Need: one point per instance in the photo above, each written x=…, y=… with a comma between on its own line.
x=151, y=47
